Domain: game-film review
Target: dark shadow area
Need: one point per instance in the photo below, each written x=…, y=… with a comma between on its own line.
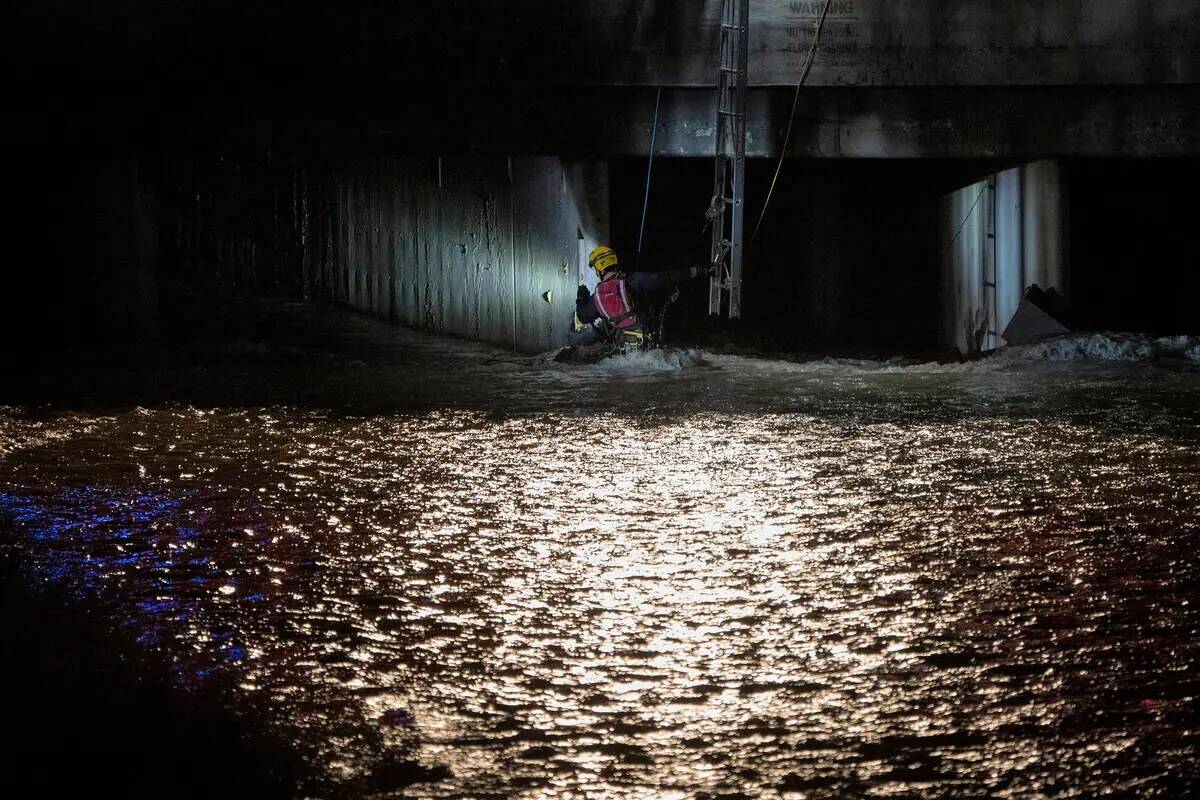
x=91, y=714
x=1133, y=244
x=846, y=260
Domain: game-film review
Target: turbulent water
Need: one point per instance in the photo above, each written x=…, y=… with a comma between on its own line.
x=679, y=575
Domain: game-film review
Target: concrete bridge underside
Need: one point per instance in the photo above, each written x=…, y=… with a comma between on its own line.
x=1025, y=122
x=894, y=78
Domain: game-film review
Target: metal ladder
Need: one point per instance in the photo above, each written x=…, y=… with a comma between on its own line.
x=726, y=211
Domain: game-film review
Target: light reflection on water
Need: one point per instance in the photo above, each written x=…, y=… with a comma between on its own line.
x=828, y=581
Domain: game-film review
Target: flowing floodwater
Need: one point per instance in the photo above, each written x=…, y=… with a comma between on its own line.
x=686, y=574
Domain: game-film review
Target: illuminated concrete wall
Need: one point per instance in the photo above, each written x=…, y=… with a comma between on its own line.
x=1000, y=236
x=482, y=248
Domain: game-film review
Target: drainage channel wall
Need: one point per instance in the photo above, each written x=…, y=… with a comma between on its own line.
x=482, y=248
x=485, y=248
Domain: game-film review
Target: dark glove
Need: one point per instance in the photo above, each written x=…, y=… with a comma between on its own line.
x=589, y=334
x=582, y=294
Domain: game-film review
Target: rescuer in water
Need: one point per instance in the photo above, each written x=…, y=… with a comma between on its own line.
x=620, y=311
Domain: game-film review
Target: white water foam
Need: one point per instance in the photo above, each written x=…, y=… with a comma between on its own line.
x=667, y=359
x=1111, y=347
x=1083, y=348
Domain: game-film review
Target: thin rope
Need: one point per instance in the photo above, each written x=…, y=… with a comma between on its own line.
x=649, y=168
x=662, y=54
x=812, y=52
x=963, y=224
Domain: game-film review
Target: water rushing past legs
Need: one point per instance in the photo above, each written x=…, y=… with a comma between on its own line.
x=727, y=576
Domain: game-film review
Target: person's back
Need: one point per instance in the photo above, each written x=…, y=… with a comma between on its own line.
x=617, y=309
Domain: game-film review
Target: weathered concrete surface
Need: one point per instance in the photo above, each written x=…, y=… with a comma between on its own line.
x=1018, y=122
x=484, y=248
x=894, y=78
x=979, y=42
x=481, y=248
x=623, y=42
x=948, y=122
x=560, y=212
x=892, y=42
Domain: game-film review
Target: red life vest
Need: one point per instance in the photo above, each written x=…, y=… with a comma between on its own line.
x=612, y=301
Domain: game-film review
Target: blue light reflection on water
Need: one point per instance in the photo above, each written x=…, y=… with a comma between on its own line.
x=59, y=521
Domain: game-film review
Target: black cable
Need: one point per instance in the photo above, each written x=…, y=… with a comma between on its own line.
x=812, y=52
x=963, y=224
x=662, y=52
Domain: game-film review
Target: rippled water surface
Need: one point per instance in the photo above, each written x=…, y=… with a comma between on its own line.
x=683, y=575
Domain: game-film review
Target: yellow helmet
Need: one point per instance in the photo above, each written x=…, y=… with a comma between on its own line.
x=602, y=258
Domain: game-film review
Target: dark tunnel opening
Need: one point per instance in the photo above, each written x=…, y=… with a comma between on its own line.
x=846, y=258
x=1133, y=245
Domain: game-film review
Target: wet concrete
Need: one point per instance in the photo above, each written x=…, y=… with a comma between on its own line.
x=434, y=568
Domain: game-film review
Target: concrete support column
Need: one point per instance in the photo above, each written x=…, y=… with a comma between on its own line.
x=1001, y=235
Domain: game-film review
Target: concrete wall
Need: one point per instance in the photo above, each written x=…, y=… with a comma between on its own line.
x=979, y=42
x=485, y=248
x=895, y=42
x=1025, y=123
x=481, y=248
x=893, y=78
x=1000, y=236
x=620, y=42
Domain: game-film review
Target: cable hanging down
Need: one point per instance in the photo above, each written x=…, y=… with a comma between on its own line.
x=662, y=53
x=649, y=168
x=812, y=52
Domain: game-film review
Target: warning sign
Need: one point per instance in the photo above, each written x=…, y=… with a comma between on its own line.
x=842, y=35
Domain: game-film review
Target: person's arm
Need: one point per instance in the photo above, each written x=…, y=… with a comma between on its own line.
x=588, y=327
x=653, y=281
x=585, y=309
